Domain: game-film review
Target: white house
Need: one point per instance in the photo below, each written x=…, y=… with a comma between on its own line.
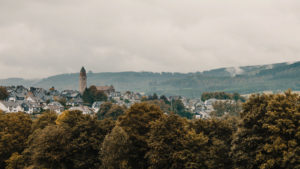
x=10, y=106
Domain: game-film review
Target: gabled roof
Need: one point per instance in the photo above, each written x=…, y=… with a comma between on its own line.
x=10, y=103
x=104, y=88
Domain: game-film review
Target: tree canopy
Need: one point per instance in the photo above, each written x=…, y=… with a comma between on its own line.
x=3, y=93
x=269, y=133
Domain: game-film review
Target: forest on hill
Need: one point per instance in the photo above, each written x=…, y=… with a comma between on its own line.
x=249, y=79
x=264, y=135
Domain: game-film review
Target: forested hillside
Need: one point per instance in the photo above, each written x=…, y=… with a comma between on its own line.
x=243, y=80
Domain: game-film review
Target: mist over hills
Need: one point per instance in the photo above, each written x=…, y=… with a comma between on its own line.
x=248, y=79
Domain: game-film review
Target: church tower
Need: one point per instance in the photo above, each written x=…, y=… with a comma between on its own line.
x=82, y=81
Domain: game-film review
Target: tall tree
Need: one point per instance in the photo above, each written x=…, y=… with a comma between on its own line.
x=110, y=110
x=136, y=123
x=220, y=134
x=47, y=118
x=179, y=108
x=91, y=95
x=115, y=150
x=14, y=131
x=174, y=145
x=268, y=136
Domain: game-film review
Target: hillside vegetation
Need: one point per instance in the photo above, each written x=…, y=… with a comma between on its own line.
x=249, y=79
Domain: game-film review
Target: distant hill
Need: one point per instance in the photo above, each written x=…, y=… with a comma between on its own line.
x=249, y=79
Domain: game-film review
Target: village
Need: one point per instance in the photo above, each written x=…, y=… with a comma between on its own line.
x=35, y=100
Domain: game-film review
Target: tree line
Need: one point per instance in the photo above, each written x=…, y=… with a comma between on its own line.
x=222, y=96
x=265, y=135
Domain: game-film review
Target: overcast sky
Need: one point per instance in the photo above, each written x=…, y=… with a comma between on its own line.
x=39, y=38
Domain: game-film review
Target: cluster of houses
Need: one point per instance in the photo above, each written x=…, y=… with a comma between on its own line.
x=35, y=100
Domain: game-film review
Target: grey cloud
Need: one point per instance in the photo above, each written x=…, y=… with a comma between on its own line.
x=42, y=38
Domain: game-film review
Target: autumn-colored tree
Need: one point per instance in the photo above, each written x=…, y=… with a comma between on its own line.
x=174, y=145
x=115, y=150
x=16, y=161
x=3, y=93
x=268, y=136
x=162, y=105
x=47, y=118
x=136, y=123
x=48, y=148
x=110, y=110
x=220, y=134
x=74, y=142
x=14, y=131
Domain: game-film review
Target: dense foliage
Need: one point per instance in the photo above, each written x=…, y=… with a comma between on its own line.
x=3, y=93
x=110, y=110
x=222, y=108
x=221, y=96
x=264, y=136
x=269, y=134
x=91, y=95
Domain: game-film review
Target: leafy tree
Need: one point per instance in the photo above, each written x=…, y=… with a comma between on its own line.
x=14, y=131
x=173, y=145
x=152, y=97
x=16, y=161
x=109, y=110
x=74, y=142
x=48, y=148
x=100, y=96
x=229, y=107
x=3, y=93
x=221, y=96
x=178, y=108
x=115, y=150
x=126, y=101
x=47, y=118
x=104, y=108
x=268, y=136
x=220, y=134
x=162, y=105
x=136, y=123
x=87, y=97
x=91, y=95
x=165, y=99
